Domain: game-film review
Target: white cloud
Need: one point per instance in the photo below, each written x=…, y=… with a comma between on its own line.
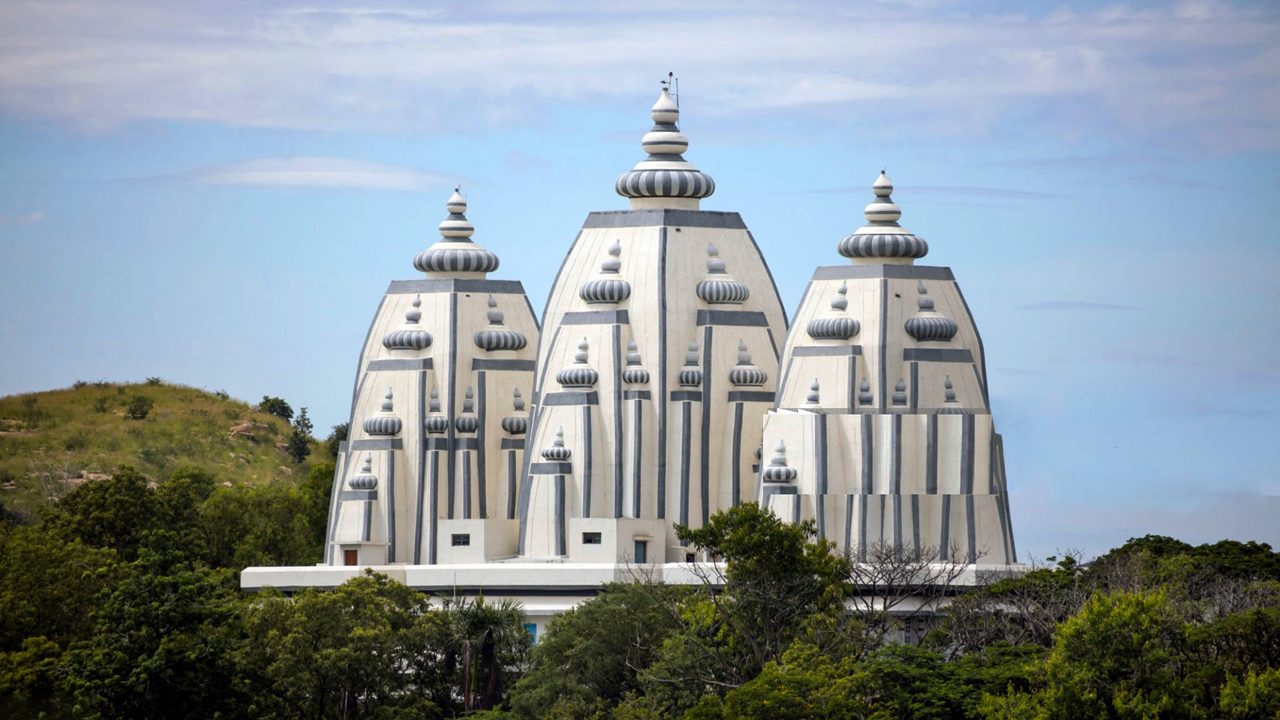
x=316, y=172
x=1200, y=73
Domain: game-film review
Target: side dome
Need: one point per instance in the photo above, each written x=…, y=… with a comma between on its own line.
x=516, y=424
x=456, y=252
x=745, y=374
x=365, y=479
x=580, y=374
x=778, y=471
x=719, y=287
x=497, y=337
x=838, y=325
x=467, y=422
x=928, y=325
x=690, y=375
x=608, y=288
x=435, y=424
x=882, y=236
x=557, y=452
x=384, y=423
x=634, y=373
x=410, y=337
x=665, y=172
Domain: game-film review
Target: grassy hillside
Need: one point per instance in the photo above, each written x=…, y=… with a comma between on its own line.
x=53, y=441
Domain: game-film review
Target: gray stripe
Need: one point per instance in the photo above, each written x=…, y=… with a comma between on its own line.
x=636, y=451
x=455, y=285
x=915, y=523
x=973, y=528
x=340, y=471
x=862, y=527
x=399, y=364
x=704, y=451
x=663, y=217
x=481, y=476
x=419, y=500
x=944, y=541
x=433, y=512
x=915, y=385
x=897, y=525
x=496, y=364
x=512, y=443
x=931, y=455
x=739, y=318
x=820, y=452
x=391, y=506
x=635, y=394
x=966, y=454
x=686, y=396
x=937, y=355
x=617, y=421
x=686, y=416
x=560, y=515
x=586, y=461
x=596, y=317
x=570, y=398
x=826, y=350
x=376, y=444
x=511, y=485
x=368, y=520
x=879, y=270
x=853, y=384
x=867, y=455
x=662, y=363
x=848, y=522
x=451, y=397
x=751, y=396
x=550, y=468
x=736, y=478
x=895, y=472
x=466, y=485
x=773, y=343
x=357, y=495
x=884, y=329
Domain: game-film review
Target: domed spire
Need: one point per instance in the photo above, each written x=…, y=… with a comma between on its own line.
x=951, y=406
x=498, y=337
x=691, y=375
x=929, y=325
x=411, y=337
x=580, y=374
x=719, y=287
x=745, y=373
x=435, y=422
x=665, y=173
x=900, y=392
x=608, y=287
x=455, y=254
x=837, y=325
x=882, y=237
x=864, y=393
x=365, y=480
x=516, y=424
x=384, y=423
x=634, y=373
x=557, y=452
x=778, y=472
x=813, y=399
x=467, y=422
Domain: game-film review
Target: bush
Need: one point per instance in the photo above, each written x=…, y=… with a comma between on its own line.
x=101, y=405
x=276, y=406
x=139, y=407
x=336, y=437
x=153, y=381
x=221, y=394
x=79, y=384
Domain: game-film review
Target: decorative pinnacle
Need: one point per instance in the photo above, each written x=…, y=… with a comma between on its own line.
x=468, y=400
x=779, y=458
x=864, y=392
x=813, y=397
x=924, y=302
x=386, y=401
x=951, y=393
x=691, y=357
x=494, y=314
x=434, y=405
x=900, y=392
x=841, y=301
x=368, y=464
x=883, y=210
x=580, y=357
x=413, y=315
x=456, y=226
x=612, y=264
x=633, y=353
x=744, y=357
x=715, y=266
x=517, y=400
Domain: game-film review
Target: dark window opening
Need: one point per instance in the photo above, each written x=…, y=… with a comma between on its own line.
x=591, y=538
x=460, y=540
x=642, y=551
x=688, y=557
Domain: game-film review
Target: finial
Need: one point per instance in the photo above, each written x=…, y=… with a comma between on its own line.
x=557, y=452
x=691, y=357
x=778, y=472
x=413, y=315
x=951, y=393
x=494, y=314
x=813, y=398
x=607, y=288
x=841, y=301
x=900, y=392
x=633, y=353
x=455, y=252
x=690, y=375
x=882, y=236
x=386, y=401
x=634, y=374
x=715, y=265
x=928, y=325
x=434, y=405
x=744, y=373
x=744, y=357
x=612, y=264
x=864, y=392
x=719, y=287
x=368, y=464
x=665, y=173
x=580, y=357
x=456, y=226
x=924, y=302
x=468, y=400
x=517, y=400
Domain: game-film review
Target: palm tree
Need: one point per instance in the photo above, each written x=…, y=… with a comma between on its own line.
x=488, y=641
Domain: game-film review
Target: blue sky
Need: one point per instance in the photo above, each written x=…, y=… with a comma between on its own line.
x=218, y=194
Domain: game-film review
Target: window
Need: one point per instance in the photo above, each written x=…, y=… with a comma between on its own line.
x=532, y=629
x=642, y=552
x=460, y=540
x=591, y=538
x=350, y=557
x=689, y=557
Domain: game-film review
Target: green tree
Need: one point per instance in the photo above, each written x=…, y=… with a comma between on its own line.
x=337, y=436
x=488, y=646
x=1255, y=697
x=299, y=445
x=139, y=407
x=112, y=513
x=276, y=406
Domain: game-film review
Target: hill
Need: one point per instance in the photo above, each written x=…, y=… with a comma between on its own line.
x=51, y=442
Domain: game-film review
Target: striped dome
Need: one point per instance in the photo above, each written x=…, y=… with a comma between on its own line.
x=745, y=373
x=719, y=287
x=365, y=479
x=580, y=374
x=411, y=337
x=435, y=424
x=882, y=237
x=928, y=325
x=455, y=252
x=608, y=288
x=778, y=472
x=690, y=375
x=516, y=424
x=498, y=337
x=385, y=423
x=665, y=172
x=467, y=422
x=634, y=373
x=557, y=452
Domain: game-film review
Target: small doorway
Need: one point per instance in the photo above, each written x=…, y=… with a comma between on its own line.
x=641, y=552
x=350, y=557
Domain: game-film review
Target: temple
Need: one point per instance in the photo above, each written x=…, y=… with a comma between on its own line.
x=490, y=453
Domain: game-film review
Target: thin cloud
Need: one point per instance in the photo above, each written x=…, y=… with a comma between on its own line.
x=306, y=172
x=1207, y=76
x=1076, y=305
x=950, y=192
x=30, y=218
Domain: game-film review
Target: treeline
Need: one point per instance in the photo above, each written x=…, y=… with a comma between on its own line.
x=122, y=601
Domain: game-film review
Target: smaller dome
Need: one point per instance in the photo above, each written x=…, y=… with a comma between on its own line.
x=719, y=287
x=557, y=452
x=745, y=373
x=634, y=373
x=882, y=237
x=813, y=399
x=608, y=288
x=928, y=325
x=496, y=337
x=951, y=406
x=365, y=479
x=778, y=472
x=516, y=424
x=665, y=172
x=864, y=393
x=838, y=325
x=435, y=424
x=385, y=423
x=411, y=337
x=900, y=392
x=456, y=252
x=580, y=374
x=467, y=422
x=690, y=375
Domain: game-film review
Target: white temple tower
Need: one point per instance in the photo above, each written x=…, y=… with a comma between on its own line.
x=657, y=362
x=430, y=468
x=883, y=431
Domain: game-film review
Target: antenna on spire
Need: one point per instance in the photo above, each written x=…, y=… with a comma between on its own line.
x=672, y=84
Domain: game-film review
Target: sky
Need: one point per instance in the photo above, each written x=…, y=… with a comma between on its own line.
x=217, y=194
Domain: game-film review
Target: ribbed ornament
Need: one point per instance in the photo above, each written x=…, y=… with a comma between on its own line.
x=634, y=373
x=778, y=472
x=516, y=424
x=882, y=237
x=435, y=424
x=580, y=374
x=665, y=172
x=608, y=288
x=385, y=423
x=557, y=452
x=719, y=287
x=365, y=479
x=497, y=337
x=745, y=374
x=690, y=375
x=928, y=325
x=410, y=337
